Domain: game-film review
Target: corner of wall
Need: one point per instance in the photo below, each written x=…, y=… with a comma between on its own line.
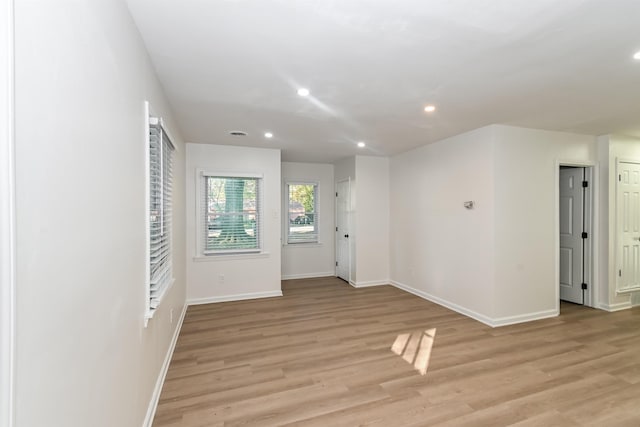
x=7, y=217
x=526, y=275
x=605, y=246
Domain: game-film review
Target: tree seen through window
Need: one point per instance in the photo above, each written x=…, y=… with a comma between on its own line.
x=302, y=213
x=232, y=213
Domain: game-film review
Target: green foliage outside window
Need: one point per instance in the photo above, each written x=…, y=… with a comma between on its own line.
x=232, y=213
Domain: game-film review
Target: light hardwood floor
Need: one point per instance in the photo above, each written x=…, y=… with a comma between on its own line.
x=321, y=356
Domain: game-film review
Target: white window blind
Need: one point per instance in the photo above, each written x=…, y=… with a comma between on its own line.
x=160, y=212
x=302, y=210
x=231, y=214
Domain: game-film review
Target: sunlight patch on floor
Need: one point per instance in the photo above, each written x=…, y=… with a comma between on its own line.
x=415, y=348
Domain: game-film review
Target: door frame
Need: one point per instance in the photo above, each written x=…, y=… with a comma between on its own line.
x=7, y=215
x=618, y=235
x=591, y=225
x=348, y=181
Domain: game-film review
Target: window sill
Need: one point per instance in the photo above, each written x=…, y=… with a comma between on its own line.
x=303, y=245
x=230, y=257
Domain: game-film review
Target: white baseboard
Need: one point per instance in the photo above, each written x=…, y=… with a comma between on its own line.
x=155, y=397
x=238, y=297
x=521, y=318
x=455, y=307
x=615, y=307
x=489, y=321
x=369, y=283
x=308, y=275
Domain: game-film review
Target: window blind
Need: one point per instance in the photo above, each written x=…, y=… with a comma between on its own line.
x=160, y=211
x=302, y=201
x=231, y=214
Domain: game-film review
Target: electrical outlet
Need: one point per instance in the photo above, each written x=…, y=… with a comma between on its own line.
x=221, y=278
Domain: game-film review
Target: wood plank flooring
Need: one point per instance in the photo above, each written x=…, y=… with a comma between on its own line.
x=322, y=356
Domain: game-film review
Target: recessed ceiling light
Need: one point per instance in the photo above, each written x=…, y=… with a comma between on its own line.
x=636, y=55
x=268, y=135
x=237, y=133
x=430, y=108
x=303, y=91
x=361, y=144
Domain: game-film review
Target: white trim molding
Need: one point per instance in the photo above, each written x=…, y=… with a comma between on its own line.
x=451, y=306
x=628, y=291
x=237, y=297
x=201, y=254
x=369, y=283
x=7, y=215
x=521, y=318
x=489, y=321
x=308, y=275
x=615, y=307
x=231, y=256
x=155, y=397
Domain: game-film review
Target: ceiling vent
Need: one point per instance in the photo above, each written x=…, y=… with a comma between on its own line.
x=237, y=133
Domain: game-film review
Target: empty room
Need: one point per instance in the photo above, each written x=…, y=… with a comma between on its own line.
x=319, y=213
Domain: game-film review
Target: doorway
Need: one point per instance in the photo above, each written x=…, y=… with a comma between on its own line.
x=628, y=227
x=343, y=212
x=575, y=234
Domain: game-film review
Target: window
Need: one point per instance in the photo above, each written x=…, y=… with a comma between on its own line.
x=302, y=199
x=160, y=182
x=231, y=216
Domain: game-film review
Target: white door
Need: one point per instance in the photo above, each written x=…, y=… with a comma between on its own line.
x=628, y=208
x=571, y=228
x=343, y=198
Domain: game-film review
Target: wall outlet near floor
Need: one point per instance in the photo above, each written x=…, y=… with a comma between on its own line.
x=220, y=278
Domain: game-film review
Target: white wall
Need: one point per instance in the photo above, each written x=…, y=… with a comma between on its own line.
x=612, y=148
x=497, y=262
x=84, y=357
x=526, y=193
x=345, y=169
x=232, y=277
x=308, y=259
x=372, y=220
x=439, y=249
x=7, y=216
x=605, y=265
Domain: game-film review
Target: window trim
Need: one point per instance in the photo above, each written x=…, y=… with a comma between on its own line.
x=316, y=202
x=151, y=119
x=201, y=252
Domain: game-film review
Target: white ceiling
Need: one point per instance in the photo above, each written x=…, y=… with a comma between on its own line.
x=372, y=66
